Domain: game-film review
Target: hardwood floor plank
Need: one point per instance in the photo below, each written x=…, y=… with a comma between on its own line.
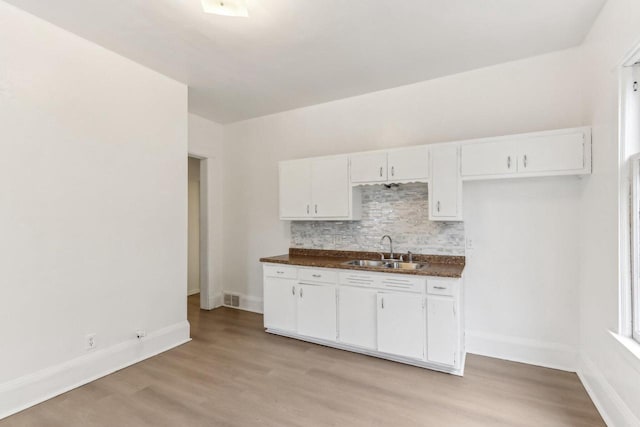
x=233, y=374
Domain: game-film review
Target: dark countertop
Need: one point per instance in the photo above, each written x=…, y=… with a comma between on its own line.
x=437, y=265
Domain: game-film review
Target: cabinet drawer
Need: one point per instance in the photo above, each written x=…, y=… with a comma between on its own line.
x=441, y=287
x=360, y=279
x=317, y=275
x=281, y=271
x=400, y=283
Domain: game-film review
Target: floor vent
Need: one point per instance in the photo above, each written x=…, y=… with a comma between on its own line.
x=231, y=300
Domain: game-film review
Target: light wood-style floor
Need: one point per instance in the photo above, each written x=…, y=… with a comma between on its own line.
x=235, y=374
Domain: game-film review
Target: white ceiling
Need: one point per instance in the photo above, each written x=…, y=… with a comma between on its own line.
x=295, y=53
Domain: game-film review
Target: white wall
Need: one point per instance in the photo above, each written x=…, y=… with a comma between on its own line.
x=522, y=273
x=540, y=93
x=606, y=367
x=206, y=143
x=93, y=210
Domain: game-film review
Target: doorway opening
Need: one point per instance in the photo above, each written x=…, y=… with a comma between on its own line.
x=194, y=228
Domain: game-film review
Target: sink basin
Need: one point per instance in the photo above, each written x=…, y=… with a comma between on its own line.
x=405, y=265
x=366, y=263
x=394, y=265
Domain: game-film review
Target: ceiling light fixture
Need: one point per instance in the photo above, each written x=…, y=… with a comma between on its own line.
x=226, y=7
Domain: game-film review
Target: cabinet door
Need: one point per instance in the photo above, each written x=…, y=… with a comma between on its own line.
x=401, y=324
x=280, y=303
x=442, y=330
x=552, y=153
x=408, y=164
x=489, y=158
x=357, y=317
x=317, y=311
x=295, y=189
x=444, y=194
x=330, y=187
x=369, y=167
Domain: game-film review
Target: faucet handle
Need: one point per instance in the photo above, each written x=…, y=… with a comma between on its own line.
x=381, y=255
x=410, y=256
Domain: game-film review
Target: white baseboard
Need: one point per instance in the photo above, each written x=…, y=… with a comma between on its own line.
x=533, y=352
x=253, y=304
x=24, y=392
x=193, y=292
x=609, y=403
x=247, y=303
x=216, y=301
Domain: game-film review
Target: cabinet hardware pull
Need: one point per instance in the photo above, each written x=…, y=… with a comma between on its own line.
x=293, y=290
x=316, y=275
x=280, y=272
x=316, y=208
x=438, y=206
x=524, y=160
x=382, y=301
x=300, y=292
x=393, y=171
x=307, y=209
x=439, y=287
x=508, y=162
x=380, y=171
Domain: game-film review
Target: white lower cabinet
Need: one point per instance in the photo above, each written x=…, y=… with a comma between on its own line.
x=442, y=330
x=357, y=316
x=280, y=303
x=316, y=309
x=407, y=318
x=400, y=324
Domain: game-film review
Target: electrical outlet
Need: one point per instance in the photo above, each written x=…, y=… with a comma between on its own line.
x=469, y=243
x=141, y=333
x=90, y=341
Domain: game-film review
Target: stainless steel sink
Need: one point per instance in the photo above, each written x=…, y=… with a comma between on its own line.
x=405, y=265
x=365, y=263
x=393, y=265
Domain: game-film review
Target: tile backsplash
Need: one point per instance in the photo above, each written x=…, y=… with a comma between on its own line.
x=401, y=212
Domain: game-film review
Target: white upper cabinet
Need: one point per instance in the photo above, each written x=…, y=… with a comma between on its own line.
x=489, y=158
x=563, y=152
x=552, y=153
x=330, y=188
x=369, y=167
x=408, y=164
x=446, y=186
x=317, y=189
x=401, y=165
x=295, y=189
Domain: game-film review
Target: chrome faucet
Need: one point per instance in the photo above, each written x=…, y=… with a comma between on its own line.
x=386, y=236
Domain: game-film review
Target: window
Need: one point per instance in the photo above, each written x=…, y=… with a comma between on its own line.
x=630, y=161
x=634, y=294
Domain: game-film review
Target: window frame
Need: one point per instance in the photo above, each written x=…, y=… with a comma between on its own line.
x=629, y=196
x=634, y=292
